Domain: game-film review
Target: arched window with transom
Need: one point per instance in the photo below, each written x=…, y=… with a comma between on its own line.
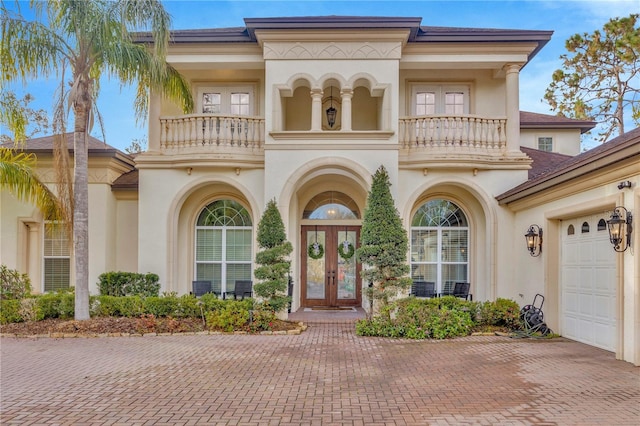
x=440, y=244
x=224, y=239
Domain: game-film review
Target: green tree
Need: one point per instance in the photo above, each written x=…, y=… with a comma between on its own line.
x=600, y=76
x=273, y=260
x=17, y=173
x=17, y=176
x=84, y=40
x=383, y=246
x=136, y=146
x=25, y=121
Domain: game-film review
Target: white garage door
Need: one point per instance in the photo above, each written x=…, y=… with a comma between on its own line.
x=588, y=307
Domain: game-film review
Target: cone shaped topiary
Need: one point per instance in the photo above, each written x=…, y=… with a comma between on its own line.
x=273, y=260
x=383, y=245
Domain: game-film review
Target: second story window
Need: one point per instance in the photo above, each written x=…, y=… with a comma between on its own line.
x=226, y=100
x=428, y=99
x=545, y=144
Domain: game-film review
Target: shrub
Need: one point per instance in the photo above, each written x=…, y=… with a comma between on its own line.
x=128, y=284
x=10, y=311
x=13, y=284
x=56, y=305
x=29, y=310
x=501, y=313
x=161, y=306
x=233, y=316
x=210, y=302
x=188, y=307
x=421, y=318
x=112, y=306
x=263, y=318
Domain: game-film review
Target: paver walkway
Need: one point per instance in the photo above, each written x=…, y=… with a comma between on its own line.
x=326, y=375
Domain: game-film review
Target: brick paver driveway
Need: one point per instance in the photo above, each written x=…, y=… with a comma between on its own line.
x=327, y=375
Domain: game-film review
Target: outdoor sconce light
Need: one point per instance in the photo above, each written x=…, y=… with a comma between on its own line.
x=620, y=229
x=331, y=111
x=534, y=240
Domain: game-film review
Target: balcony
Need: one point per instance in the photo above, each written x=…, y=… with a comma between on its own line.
x=436, y=138
x=463, y=134
x=212, y=133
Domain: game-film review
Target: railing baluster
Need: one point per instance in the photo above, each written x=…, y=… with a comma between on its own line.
x=462, y=133
x=195, y=130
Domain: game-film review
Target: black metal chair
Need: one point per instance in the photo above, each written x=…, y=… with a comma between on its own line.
x=447, y=288
x=461, y=290
x=423, y=289
x=201, y=287
x=242, y=289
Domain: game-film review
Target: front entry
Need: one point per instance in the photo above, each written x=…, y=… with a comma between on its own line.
x=330, y=273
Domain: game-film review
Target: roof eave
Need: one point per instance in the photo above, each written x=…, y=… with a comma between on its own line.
x=603, y=159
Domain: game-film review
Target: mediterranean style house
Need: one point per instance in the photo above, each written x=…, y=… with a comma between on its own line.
x=303, y=111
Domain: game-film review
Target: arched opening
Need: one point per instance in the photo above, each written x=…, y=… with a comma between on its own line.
x=223, y=244
x=440, y=244
x=365, y=110
x=297, y=110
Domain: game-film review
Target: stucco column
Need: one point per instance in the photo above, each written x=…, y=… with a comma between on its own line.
x=513, y=107
x=34, y=256
x=154, y=121
x=316, y=109
x=346, y=94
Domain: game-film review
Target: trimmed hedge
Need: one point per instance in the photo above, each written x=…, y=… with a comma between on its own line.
x=128, y=284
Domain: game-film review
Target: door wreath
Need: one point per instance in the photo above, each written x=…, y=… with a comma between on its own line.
x=315, y=249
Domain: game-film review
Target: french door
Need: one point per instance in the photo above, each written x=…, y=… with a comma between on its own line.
x=330, y=273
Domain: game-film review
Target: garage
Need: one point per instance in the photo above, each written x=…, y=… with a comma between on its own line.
x=588, y=282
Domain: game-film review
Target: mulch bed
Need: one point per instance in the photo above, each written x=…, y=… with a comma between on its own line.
x=119, y=325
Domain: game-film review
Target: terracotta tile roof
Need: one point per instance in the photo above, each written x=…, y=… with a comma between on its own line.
x=626, y=146
x=533, y=120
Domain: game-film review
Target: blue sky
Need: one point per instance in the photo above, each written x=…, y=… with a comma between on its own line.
x=564, y=17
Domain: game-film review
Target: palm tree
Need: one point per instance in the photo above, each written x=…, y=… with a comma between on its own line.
x=18, y=177
x=87, y=39
x=17, y=167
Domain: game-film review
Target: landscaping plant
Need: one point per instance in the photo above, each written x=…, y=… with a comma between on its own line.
x=272, y=260
x=383, y=247
x=13, y=284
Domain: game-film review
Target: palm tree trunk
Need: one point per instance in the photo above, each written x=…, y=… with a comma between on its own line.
x=81, y=208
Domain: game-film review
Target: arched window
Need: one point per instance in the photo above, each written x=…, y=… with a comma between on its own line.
x=331, y=205
x=440, y=244
x=602, y=225
x=571, y=230
x=223, y=245
x=585, y=228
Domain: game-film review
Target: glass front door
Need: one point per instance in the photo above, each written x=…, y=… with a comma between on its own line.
x=330, y=273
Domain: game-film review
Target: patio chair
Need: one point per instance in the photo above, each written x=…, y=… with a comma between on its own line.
x=242, y=289
x=201, y=287
x=423, y=289
x=447, y=288
x=461, y=290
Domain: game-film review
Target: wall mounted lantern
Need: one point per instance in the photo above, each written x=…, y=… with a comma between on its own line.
x=331, y=111
x=534, y=240
x=620, y=229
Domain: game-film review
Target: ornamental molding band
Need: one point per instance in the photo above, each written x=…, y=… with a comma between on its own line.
x=332, y=50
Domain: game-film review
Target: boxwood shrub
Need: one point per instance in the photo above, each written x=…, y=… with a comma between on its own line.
x=128, y=284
